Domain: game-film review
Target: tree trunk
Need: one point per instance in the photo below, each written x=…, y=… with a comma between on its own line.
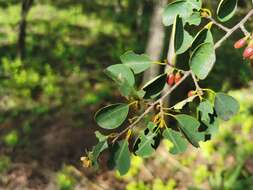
x=26, y=5
x=156, y=40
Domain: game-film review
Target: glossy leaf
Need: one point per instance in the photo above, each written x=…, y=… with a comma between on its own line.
x=122, y=157
x=154, y=87
x=179, y=142
x=225, y=106
x=202, y=60
x=138, y=63
x=204, y=36
x=146, y=142
x=189, y=126
x=182, y=39
x=226, y=9
x=111, y=117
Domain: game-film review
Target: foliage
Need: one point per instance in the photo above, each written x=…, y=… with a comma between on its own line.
x=195, y=126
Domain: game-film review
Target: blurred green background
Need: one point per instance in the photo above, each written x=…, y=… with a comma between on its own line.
x=52, y=56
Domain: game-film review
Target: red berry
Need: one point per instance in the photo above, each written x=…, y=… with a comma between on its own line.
x=191, y=93
x=177, y=78
x=248, y=52
x=240, y=43
x=171, y=79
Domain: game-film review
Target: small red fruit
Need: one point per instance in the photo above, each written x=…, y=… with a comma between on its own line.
x=191, y=93
x=248, y=52
x=177, y=78
x=240, y=43
x=171, y=79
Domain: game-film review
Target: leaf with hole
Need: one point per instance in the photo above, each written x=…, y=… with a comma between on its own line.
x=145, y=143
x=194, y=19
x=183, y=8
x=206, y=109
x=225, y=106
x=138, y=63
x=111, y=117
x=179, y=142
x=189, y=126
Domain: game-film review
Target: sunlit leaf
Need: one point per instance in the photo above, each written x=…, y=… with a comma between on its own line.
x=123, y=77
x=202, y=60
x=179, y=142
x=138, y=63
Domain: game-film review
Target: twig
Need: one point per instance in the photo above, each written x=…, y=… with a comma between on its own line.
x=244, y=30
x=232, y=30
x=187, y=73
x=195, y=81
x=219, y=25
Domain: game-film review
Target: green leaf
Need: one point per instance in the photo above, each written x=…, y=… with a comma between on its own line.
x=111, y=117
x=145, y=143
x=202, y=36
x=194, y=19
x=179, y=143
x=181, y=104
x=195, y=4
x=122, y=157
x=212, y=126
x=205, y=108
x=226, y=9
x=183, y=8
x=189, y=126
x=100, y=147
x=154, y=87
x=123, y=76
x=225, y=106
x=138, y=63
x=182, y=38
x=202, y=60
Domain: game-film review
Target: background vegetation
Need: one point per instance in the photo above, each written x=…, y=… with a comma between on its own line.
x=52, y=56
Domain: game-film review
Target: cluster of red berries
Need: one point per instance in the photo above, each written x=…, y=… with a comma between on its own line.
x=248, y=52
x=173, y=78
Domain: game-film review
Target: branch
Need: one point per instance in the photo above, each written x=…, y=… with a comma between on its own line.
x=187, y=73
x=219, y=25
x=232, y=30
